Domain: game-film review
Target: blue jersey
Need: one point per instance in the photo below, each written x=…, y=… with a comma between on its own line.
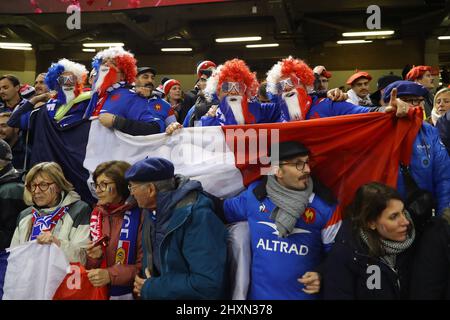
x=324, y=107
x=277, y=263
x=126, y=103
x=261, y=112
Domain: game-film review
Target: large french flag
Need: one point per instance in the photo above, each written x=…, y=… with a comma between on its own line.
x=31, y=271
x=347, y=151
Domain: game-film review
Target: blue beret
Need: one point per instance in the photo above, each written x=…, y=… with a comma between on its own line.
x=405, y=88
x=150, y=169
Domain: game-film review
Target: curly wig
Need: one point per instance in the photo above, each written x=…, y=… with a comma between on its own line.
x=124, y=60
x=287, y=67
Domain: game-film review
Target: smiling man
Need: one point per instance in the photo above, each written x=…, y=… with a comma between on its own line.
x=292, y=221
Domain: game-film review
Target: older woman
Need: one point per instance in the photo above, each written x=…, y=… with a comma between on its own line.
x=441, y=104
x=115, y=261
x=372, y=255
x=56, y=213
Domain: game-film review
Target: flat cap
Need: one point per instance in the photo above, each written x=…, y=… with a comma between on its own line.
x=142, y=70
x=405, y=88
x=150, y=169
x=288, y=150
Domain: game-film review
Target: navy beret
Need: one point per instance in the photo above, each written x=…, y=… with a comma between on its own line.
x=405, y=88
x=150, y=169
x=290, y=149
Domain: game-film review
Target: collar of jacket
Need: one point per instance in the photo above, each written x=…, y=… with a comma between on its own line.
x=182, y=211
x=319, y=189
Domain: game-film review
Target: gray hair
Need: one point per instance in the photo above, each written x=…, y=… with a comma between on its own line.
x=164, y=185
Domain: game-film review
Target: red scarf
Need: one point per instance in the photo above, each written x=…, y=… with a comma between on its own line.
x=96, y=223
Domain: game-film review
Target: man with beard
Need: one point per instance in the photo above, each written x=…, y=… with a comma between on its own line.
x=293, y=221
x=118, y=107
x=145, y=81
x=289, y=82
x=236, y=87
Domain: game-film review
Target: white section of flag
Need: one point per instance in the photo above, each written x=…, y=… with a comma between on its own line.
x=34, y=271
x=200, y=153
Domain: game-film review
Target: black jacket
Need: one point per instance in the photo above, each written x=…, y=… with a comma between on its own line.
x=431, y=267
x=349, y=271
x=11, y=204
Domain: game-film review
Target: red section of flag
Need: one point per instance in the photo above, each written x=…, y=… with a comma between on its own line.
x=76, y=286
x=347, y=151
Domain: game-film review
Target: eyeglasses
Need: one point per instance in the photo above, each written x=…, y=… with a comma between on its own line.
x=300, y=165
x=288, y=83
x=413, y=101
x=131, y=188
x=233, y=87
x=68, y=81
x=102, y=185
x=43, y=186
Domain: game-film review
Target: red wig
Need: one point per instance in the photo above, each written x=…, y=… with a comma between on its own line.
x=127, y=64
x=299, y=68
x=237, y=71
x=417, y=72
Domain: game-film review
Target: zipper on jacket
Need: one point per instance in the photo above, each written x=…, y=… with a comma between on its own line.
x=387, y=265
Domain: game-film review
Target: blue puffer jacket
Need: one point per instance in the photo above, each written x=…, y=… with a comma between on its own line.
x=430, y=167
x=192, y=250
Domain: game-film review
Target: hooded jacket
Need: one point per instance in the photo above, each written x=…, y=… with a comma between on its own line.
x=189, y=242
x=11, y=204
x=72, y=229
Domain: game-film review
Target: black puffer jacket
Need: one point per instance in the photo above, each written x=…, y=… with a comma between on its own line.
x=431, y=267
x=349, y=272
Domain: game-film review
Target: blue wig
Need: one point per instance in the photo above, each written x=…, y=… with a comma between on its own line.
x=51, y=79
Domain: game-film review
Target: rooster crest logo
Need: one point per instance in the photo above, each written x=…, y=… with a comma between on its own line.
x=309, y=216
x=157, y=107
x=262, y=208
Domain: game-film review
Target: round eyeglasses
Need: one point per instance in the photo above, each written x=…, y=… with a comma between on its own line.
x=300, y=165
x=101, y=186
x=43, y=186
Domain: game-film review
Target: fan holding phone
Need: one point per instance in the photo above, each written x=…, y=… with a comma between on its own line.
x=113, y=254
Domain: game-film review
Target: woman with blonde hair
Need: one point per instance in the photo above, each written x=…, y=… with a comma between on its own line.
x=55, y=213
x=441, y=105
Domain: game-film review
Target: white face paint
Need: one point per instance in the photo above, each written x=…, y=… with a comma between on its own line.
x=101, y=77
x=235, y=103
x=293, y=105
x=69, y=92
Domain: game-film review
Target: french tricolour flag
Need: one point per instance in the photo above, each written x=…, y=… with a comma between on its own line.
x=31, y=271
x=346, y=151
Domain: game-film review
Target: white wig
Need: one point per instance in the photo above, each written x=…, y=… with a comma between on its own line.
x=77, y=69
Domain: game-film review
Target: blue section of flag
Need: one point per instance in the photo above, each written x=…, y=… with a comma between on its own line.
x=3, y=265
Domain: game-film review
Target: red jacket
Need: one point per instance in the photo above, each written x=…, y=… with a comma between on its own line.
x=122, y=275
